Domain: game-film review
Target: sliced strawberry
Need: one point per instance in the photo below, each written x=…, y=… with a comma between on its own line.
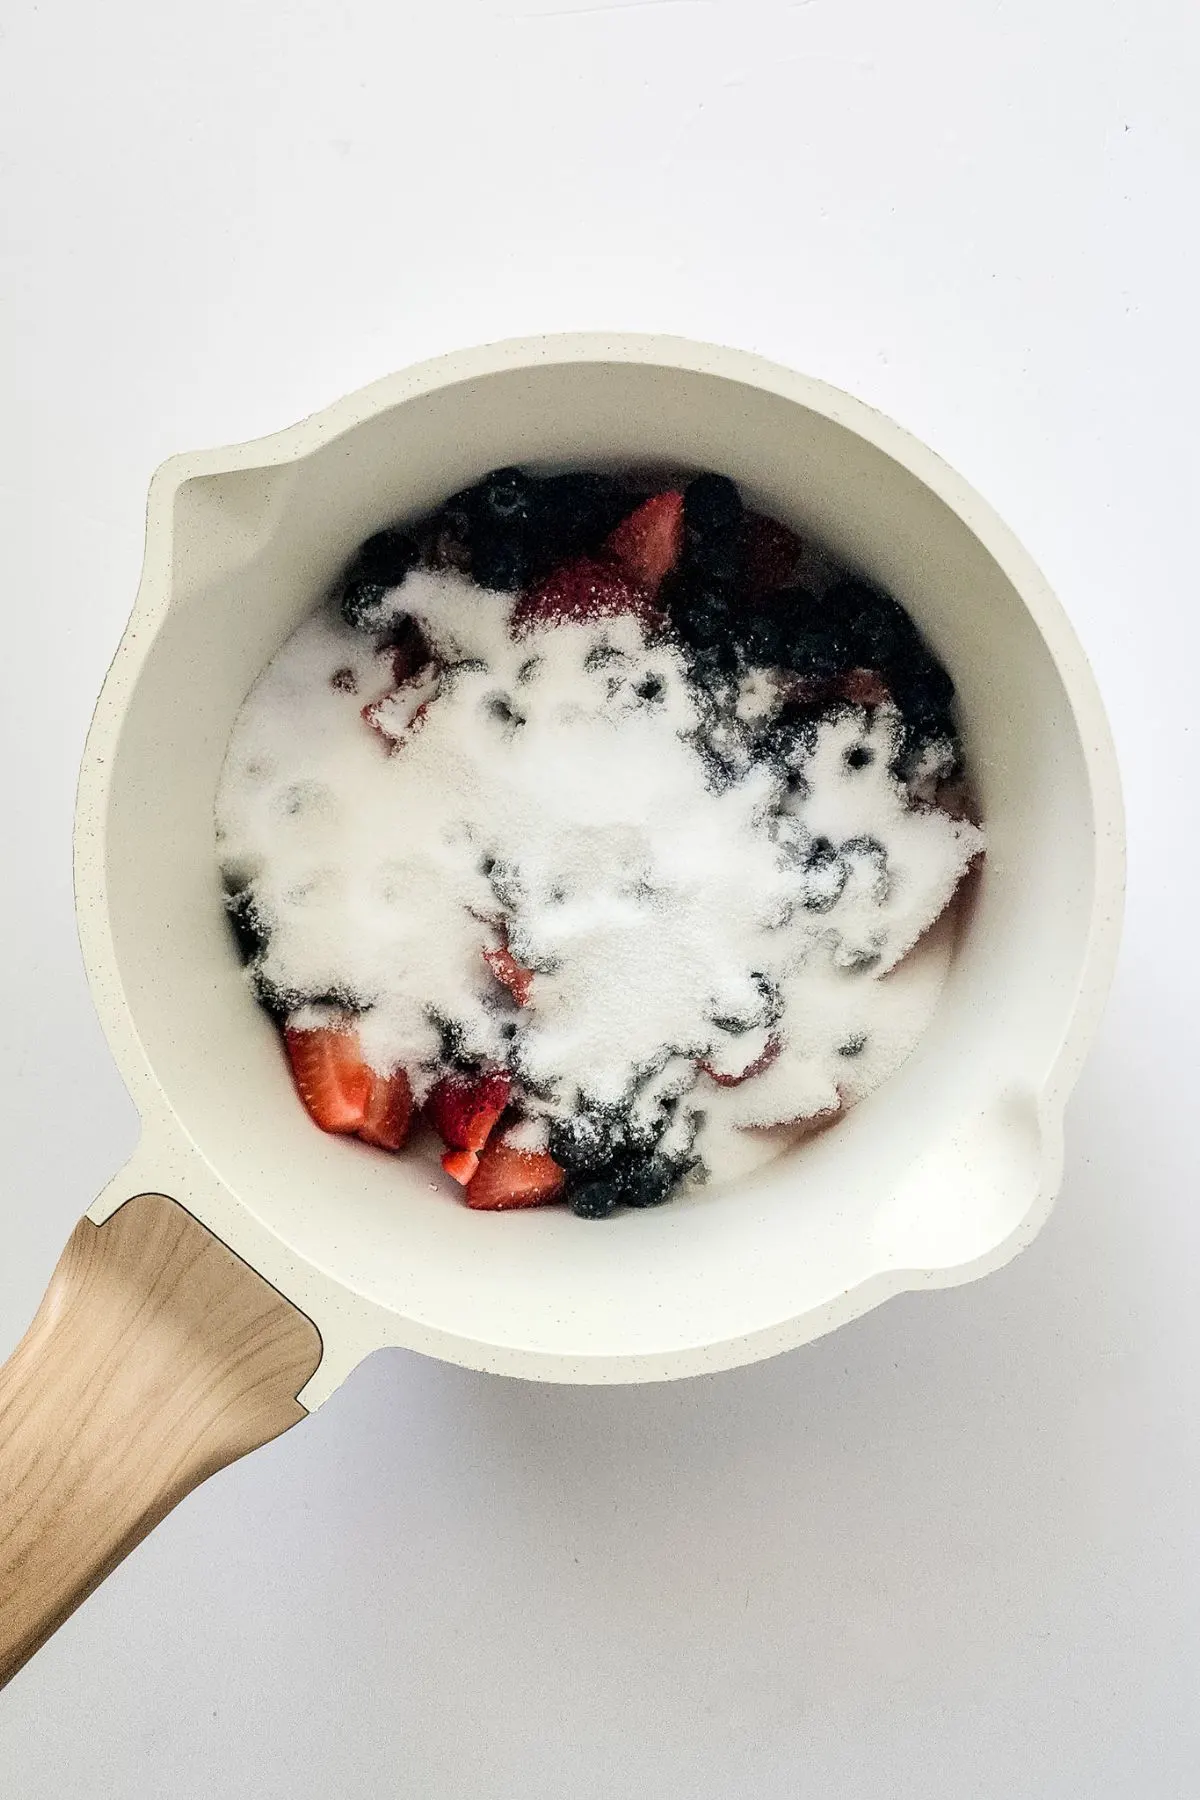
x=400, y=712
x=581, y=590
x=331, y=1077
x=463, y=1109
x=772, y=554
x=761, y=1063
x=389, y=1111
x=508, y=1178
x=647, y=544
x=460, y=1165
x=510, y=973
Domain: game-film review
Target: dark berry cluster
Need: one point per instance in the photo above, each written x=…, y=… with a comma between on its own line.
x=610, y=1163
x=728, y=626
x=511, y=528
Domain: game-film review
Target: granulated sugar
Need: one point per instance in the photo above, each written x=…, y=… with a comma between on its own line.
x=689, y=906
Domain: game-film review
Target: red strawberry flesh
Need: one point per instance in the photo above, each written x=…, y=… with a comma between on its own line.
x=389, y=1112
x=510, y=973
x=330, y=1076
x=460, y=1165
x=508, y=1178
x=464, y=1109
x=760, y=1064
x=646, y=545
x=581, y=590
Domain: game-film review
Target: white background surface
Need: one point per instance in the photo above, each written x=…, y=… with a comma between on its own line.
x=950, y=1552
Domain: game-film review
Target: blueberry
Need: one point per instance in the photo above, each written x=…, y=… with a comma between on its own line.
x=713, y=540
x=859, y=757
x=500, y=563
x=703, y=618
x=573, y=514
x=924, y=693
x=506, y=495
x=649, y=1183
x=385, y=558
x=587, y=1143
x=359, y=600
x=250, y=934
x=712, y=507
x=594, y=1197
x=820, y=655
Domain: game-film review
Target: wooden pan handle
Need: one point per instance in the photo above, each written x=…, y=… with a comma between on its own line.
x=156, y=1358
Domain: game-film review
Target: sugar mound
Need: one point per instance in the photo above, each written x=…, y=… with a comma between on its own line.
x=691, y=904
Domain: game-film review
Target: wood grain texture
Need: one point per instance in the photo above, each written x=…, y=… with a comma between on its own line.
x=156, y=1358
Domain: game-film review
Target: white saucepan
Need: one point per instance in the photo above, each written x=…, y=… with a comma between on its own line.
x=233, y=1274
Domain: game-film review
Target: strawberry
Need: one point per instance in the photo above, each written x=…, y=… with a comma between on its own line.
x=389, y=1111
x=580, y=590
x=463, y=1109
x=402, y=710
x=510, y=973
x=460, y=1165
x=342, y=1093
x=772, y=554
x=646, y=545
x=331, y=1077
x=761, y=1063
x=509, y=1178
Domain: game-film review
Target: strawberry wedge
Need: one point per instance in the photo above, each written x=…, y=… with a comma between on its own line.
x=342, y=1093
x=646, y=545
x=581, y=590
x=464, y=1109
x=510, y=973
x=508, y=1178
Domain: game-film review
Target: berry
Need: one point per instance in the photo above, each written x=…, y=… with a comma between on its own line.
x=464, y=1109
x=331, y=1077
x=246, y=923
x=771, y=554
x=500, y=563
x=398, y=714
x=506, y=496
x=342, y=1093
x=595, y=1197
x=409, y=651
x=360, y=599
x=712, y=505
x=388, y=1113
x=761, y=1063
x=863, y=687
x=587, y=1143
x=460, y=1165
x=509, y=1178
x=510, y=973
x=878, y=629
x=763, y=637
x=646, y=545
x=649, y=1183
x=703, y=619
x=573, y=515
x=583, y=589
x=713, y=520
x=382, y=562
